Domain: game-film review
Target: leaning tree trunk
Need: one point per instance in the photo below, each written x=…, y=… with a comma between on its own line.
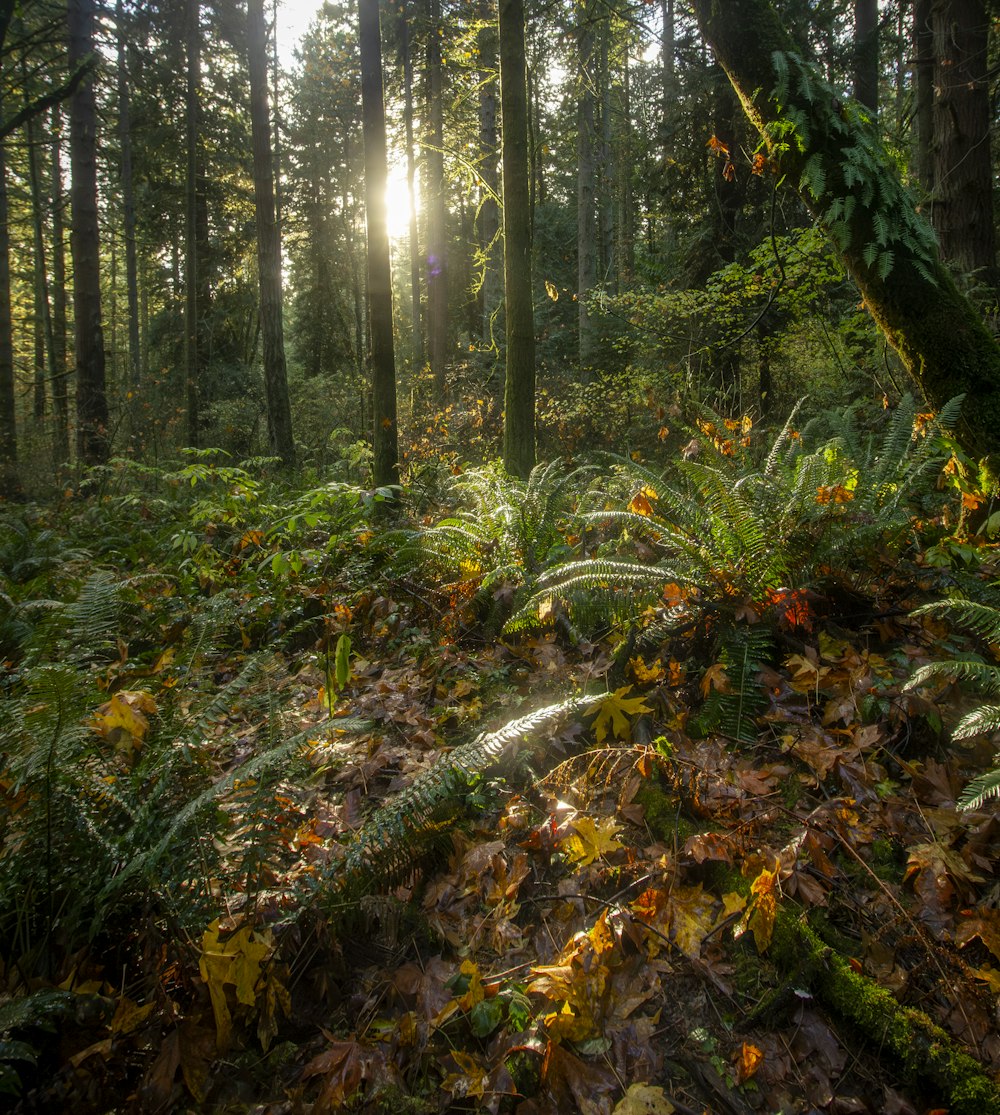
x=519, y=392
x=845, y=179
x=92, y=443
x=385, y=461
x=279, y=413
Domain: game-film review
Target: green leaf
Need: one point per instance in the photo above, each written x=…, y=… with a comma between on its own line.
x=342, y=668
x=486, y=1016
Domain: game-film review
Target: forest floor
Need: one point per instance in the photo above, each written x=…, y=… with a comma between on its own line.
x=614, y=914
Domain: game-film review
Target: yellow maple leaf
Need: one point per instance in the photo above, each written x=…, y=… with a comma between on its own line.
x=471, y=1080
x=590, y=840
x=616, y=712
x=237, y=962
x=644, y=1099
x=124, y=720
x=760, y=914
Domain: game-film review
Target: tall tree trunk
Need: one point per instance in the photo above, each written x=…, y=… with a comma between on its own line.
x=605, y=208
x=128, y=206
x=923, y=80
x=491, y=287
x=279, y=414
x=962, y=212
x=193, y=266
x=60, y=380
x=383, y=362
x=437, y=232
x=586, y=178
x=865, y=54
x=626, y=199
x=416, y=320
x=939, y=336
x=519, y=391
x=45, y=357
x=10, y=483
x=92, y=443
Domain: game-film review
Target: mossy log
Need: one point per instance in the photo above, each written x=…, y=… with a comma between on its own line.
x=927, y=1054
x=825, y=147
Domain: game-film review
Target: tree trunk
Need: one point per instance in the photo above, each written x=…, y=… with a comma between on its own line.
x=10, y=484
x=605, y=208
x=45, y=357
x=962, y=212
x=923, y=80
x=279, y=414
x=383, y=362
x=586, y=175
x=416, y=326
x=91, y=401
x=885, y=245
x=437, y=243
x=491, y=287
x=128, y=206
x=519, y=391
x=192, y=264
x=60, y=381
x=865, y=54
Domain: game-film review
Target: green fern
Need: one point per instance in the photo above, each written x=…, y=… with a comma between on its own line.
x=418, y=820
x=983, y=621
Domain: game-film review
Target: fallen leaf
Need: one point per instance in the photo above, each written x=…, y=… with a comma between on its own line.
x=590, y=840
x=615, y=714
x=644, y=1099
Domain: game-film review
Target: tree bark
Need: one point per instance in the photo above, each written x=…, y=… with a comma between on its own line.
x=962, y=210
x=193, y=266
x=128, y=206
x=865, y=54
x=491, y=286
x=45, y=357
x=92, y=443
x=60, y=381
x=586, y=180
x=279, y=414
x=10, y=484
x=885, y=245
x=519, y=391
x=383, y=362
x=923, y=81
x=437, y=232
x=416, y=319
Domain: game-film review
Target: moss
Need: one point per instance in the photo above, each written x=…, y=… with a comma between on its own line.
x=926, y=1052
x=663, y=812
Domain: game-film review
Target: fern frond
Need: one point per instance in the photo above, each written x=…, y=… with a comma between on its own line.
x=397, y=837
x=980, y=790
x=980, y=619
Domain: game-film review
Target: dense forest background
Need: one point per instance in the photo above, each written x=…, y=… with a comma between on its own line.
x=499, y=558
x=666, y=262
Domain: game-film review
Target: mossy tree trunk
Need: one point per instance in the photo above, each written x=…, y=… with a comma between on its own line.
x=824, y=148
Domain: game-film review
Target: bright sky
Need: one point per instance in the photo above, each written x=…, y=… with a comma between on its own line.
x=294, y=17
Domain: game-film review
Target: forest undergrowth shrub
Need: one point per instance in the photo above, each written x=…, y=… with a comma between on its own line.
x=738, y=535
x=125, y=809
x=505, y=532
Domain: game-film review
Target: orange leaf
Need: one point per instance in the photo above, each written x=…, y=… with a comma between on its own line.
x=748, y=1062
